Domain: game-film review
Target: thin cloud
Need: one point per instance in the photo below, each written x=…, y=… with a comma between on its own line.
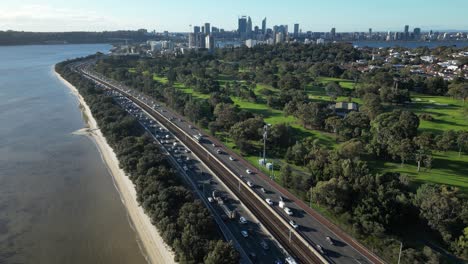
x=39, y=17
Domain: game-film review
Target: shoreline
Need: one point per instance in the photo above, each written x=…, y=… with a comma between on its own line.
x=153, y=247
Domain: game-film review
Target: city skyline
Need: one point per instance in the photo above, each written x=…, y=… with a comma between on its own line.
x=177, y=16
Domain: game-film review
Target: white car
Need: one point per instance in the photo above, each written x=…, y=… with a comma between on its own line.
x=218, y=151
x=245, y=233
x=320, y=249
x=269, y=201
x=330, y=240
x=250, y=184
x=293, y=224
x=248, y=171
x=210, y=199
x=242, y=220
x=231, y=158
x=288, y=211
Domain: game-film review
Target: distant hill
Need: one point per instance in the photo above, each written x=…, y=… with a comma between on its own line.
x=27, y=38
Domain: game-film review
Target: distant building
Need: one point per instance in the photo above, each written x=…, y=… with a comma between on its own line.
x=196, y=29
x=192, y=41
x=207, y=28
x=209, y=42
x=242, y=27
x=320, y=41
x=406, y=35
x=343, y=108
x=333, y=33
x=264, y=28
x=296, y=30
x=250, y=43
x=279, y=37
x=417, y=33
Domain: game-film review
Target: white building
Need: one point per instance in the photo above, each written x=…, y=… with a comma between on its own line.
x=250, y=43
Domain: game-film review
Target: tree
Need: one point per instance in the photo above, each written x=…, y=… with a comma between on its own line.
x=286, y=175
x=334, y=89
x=462, y=142
x=459, y=91
x=462, y=243
x=351, y=149
x=371, y=105
x=226, y=115
x=222, y=253
x=404, y=149
x=333, y=194
x=441, y=207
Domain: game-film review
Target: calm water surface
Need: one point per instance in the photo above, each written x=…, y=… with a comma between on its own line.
x=58, y=203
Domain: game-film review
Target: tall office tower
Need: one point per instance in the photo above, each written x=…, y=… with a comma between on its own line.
x=202, y=41
x=249, y=27
x=264, y=29
x=207, y=28
x=209, y=42
x=242, y=26
x=406, y=36
x=196, y=29
x=203, y=29
x=417, y=33
x=256, y=30
x=333, y=33
x=370, y=32
x=296, y=30
x=279, y=37
x=192, y=41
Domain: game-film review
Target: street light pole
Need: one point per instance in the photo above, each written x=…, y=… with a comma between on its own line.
x=265, y=135
x=399, y=255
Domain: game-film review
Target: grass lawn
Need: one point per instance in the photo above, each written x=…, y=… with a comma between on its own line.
x=347, y=84
x=447, y=113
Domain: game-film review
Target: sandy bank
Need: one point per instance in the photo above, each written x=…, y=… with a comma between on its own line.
x=154, y=248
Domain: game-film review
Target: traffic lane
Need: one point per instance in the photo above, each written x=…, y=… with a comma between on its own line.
x=256, y=234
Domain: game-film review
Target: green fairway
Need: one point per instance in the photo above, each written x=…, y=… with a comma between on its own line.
x=447, y=113
x=447, y=168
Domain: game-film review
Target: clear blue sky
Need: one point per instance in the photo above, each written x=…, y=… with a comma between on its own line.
x=177, y=15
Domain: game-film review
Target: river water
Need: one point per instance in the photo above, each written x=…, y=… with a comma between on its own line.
x=58, y=203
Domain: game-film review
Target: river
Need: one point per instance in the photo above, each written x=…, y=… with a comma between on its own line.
x=58, y=203
x=410, y=44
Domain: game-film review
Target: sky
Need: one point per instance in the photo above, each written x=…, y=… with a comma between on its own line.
x=180, y=15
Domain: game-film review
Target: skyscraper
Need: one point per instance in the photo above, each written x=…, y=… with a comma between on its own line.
x=406, y=36
x=333, y=33
x=417, y=33
x=196, y=29
x=207, y=28
x=296, y=30
x=264, y=29
x=242, y=26
x=249, y=27
x=370, y=32
x=209, y=42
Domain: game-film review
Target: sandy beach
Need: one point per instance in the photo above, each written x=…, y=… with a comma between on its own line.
x=153, y=246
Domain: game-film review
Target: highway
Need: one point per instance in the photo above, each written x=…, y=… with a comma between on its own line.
x=308, y=242
x=260, y=246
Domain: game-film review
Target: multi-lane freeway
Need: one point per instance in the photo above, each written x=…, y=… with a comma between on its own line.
x=303, y=232
x=259, y=246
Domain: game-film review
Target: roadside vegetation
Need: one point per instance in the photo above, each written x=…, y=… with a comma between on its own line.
x=182, y=220
x=393, y=170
